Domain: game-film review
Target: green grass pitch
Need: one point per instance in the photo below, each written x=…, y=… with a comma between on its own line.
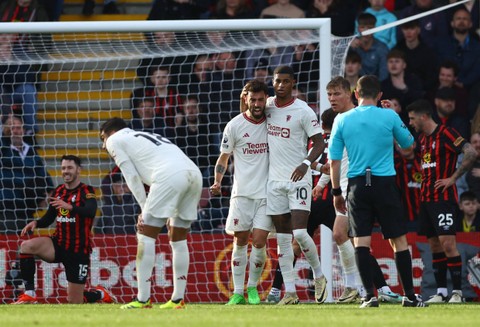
x=213, y=315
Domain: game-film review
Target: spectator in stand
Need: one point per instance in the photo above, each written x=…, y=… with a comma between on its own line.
x=471, y=180
x=282, y=9
x=263, y=73
x=432, y=26
x=17, y=83
x=306, y=65
x=353, y=66
x=445, y=113
x=420, y=58
x=144, y=119
x=373, y=52
x=383, y=16
x=404, y=86
x=447, y=77
x=232, y=9
x=476, y=122
x=342, y=14
x=192, y=136
x=119, y=210
x=469, y=213
x=200, y=72
x=109, y=7
x=474, y=8
x=222, y=89
x=461, y=47
x=272, y=56
x=176, y=9
x=24, y=180
x=161, y=42
x=167, y=100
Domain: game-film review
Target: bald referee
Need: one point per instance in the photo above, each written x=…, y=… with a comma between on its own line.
x=368, y=133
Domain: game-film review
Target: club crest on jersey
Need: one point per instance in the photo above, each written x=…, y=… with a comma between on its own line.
x=288, y=118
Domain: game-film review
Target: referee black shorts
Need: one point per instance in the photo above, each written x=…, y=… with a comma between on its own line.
x=379, y=202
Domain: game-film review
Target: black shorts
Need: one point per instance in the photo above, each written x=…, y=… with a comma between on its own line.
x=437, y=218
x=77, y=265
x=321, y=212
x=379, y=202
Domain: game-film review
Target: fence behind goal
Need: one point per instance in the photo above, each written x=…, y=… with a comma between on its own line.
x=89, y=72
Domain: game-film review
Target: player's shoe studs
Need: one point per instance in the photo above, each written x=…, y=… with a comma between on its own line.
x=289, y=298
x=26, y=299
x=437, y=298
x=372, y=303
x=136, y=304
x=456, y=298
x=253, y=297
x=389, y=297
x=417, y=302
x=108, y=296
x=236, y=299
x=320, y=289
x=173, y=305
x=349, y=295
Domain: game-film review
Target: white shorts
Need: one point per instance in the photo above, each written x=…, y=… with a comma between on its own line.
x=245, y=214
x=174, y=197
x=283, y=197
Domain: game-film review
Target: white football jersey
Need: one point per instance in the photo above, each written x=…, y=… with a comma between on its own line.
x=289, y=128
x=145, y=158
x=246, y=139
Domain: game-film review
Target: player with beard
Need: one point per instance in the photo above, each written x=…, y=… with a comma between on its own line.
x=245, y=136
x=73, y=206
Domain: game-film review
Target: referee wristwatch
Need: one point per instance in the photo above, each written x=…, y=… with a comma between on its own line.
x=336, y=191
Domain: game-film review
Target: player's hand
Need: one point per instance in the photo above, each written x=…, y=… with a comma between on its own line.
x=443, y=184
x=476, y=172
x=325, y=168
x=140, y=223
x=60, y=204
x=339, y=204
x=30, y=227
x=317, y=191
x=216, y=189
x=299, y=172
x=386, y=104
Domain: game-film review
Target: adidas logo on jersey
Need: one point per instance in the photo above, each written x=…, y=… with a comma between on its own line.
x=303, y=203
x=246, y=135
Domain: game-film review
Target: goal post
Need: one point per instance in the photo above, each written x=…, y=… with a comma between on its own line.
x=92, y=71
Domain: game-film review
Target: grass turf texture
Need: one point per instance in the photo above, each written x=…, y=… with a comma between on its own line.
x=103, y=315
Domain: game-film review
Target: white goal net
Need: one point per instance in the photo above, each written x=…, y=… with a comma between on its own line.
x=181, y=79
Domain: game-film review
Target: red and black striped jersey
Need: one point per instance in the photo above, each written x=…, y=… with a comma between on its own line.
x=439, y=152
x=409, y=181
x=323, y=160
x=73, y=227
x=166, y=107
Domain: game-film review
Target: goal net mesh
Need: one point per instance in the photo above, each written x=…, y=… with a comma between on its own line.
x=184, y=85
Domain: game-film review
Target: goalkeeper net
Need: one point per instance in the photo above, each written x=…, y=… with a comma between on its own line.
x=181, y=79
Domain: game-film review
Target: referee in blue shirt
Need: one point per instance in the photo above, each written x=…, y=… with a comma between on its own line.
x=368, y=134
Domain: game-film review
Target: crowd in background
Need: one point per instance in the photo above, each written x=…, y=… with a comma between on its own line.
x=189, y=99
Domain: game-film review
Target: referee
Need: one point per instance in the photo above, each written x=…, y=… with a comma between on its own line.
x=368, y=134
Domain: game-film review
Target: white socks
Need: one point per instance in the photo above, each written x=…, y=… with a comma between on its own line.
x=309, y=249
x=285, y=260
x=255, y=265
x=145, y=262
x=239, y=266
x=346, y=252
x=180, y=264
